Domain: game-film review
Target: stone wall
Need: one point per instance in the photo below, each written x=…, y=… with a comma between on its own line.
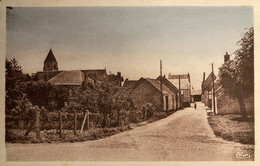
x=228, y=105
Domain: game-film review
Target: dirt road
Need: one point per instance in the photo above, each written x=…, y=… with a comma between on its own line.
x=185, y=135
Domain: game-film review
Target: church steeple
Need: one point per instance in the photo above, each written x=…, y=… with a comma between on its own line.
x=50, y=63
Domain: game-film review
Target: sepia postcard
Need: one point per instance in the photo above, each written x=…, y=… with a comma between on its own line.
x=129, y=82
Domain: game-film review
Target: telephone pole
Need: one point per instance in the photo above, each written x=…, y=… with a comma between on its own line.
x=161, y=84
x=213, y=91
x=180, y=98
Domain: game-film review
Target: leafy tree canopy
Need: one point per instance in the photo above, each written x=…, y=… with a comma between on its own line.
x=237, y=75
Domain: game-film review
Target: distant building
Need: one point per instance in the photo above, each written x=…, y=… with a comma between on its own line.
x=147, y=90
x=183, y=83
x=51, y=74
x=195, y=95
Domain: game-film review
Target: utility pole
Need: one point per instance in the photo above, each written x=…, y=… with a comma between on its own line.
x=161, y=84
x=180, y=90
x=213, y=91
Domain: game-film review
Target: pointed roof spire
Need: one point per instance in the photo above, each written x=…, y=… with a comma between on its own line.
x=50, y=57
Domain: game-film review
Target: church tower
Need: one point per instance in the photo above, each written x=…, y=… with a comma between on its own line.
x=50, y=63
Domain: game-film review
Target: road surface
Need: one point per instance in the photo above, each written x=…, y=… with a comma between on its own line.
x=182, y=136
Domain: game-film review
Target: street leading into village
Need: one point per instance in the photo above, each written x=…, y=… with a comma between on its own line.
x=183, y=136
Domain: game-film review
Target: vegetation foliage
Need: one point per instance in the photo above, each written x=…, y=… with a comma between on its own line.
x=237, y=75
x=109, y=105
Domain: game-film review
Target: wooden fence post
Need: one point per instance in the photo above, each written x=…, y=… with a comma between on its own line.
x=37, y=124
x=75, y=123
x=60, y=115
x=83, y=123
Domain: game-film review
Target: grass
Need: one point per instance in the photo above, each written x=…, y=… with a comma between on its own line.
x=52, y=136
x=160, y=115
x=233, y=128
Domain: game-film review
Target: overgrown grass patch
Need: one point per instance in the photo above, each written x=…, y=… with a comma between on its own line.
x=232, y=128
x=160, y=115
x=52, y=136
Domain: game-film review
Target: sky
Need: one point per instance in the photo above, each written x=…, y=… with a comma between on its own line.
x=131, y=40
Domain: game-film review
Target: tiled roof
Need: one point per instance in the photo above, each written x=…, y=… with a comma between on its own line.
x=156, y=84
x=74, y=77
x=129, y=84
x=168, y=84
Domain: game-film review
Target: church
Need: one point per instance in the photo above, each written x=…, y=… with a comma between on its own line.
x=57, y=77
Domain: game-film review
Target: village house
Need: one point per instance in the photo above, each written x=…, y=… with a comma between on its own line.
x=207, y=85
x=223, y=102
x=195, y=95
x=182, y=82
x=147, y=90
x=52, y=75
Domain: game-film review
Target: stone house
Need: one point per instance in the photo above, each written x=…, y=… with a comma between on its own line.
x=147, y=90
x=173, y=88
x=195, y=95
x=183, y=83
x=227, y=105
x=207, y=87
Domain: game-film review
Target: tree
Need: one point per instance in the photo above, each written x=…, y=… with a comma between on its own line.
x=237, y=75
x=13, y=91
x=109, y=101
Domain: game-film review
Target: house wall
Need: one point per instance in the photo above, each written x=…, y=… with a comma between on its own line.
x=174, y=102
x=186, y=95
x=227, y=105
x=205, y=98
x=145, y=93
x=170, y=102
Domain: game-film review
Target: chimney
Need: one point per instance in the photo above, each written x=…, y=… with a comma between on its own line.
x=120, y=79
x=85, y=78
x=226, y=57
x=203, y=76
